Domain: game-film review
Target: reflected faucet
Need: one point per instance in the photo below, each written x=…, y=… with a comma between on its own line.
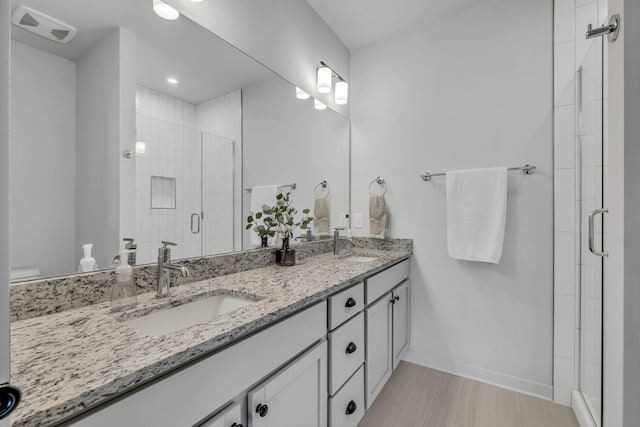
x=337, y=239
x=164, y=270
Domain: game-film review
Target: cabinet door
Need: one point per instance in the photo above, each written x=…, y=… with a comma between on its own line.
x=400, y=321
x=378, y=365
x=295, y=396
x=230, y=417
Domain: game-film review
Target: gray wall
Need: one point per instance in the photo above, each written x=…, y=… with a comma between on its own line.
x=470, y=91
x=286, y=36
x=98, y=149
x=286, y=140
x=43, y=161
x=631, y=27
x=5, y=37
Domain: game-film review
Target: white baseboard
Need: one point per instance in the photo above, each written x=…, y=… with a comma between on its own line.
x=580, y=409
x=521, y=385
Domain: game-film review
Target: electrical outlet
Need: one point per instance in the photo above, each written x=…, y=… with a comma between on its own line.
x=344, y=220
x=358, y=220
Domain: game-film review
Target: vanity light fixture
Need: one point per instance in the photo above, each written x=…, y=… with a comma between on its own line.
x=342, y=92
x=165, y=11
x=300, y=94
x=318, y=105
x=324, y=77
x=324, y=81
x=172, y=80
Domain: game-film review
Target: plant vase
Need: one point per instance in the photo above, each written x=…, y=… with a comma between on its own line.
x=285, y=256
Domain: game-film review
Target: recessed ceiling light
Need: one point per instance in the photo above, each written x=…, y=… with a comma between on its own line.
x=165, y=11
x=172, y=80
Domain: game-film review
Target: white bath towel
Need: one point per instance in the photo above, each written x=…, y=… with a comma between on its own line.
x=476, y=213
x=321, y=217
x=377, y=216
x=261, y=195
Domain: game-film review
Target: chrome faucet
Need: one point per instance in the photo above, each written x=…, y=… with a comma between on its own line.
x=337, y=239
x=164, y=270
x=131, y=246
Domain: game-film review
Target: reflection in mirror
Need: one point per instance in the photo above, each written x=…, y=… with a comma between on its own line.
x=138, y=127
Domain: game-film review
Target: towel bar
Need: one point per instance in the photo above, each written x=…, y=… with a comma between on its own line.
x=526, y=169
x=292, y=186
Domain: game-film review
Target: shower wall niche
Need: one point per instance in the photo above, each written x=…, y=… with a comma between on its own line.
x=185, y=177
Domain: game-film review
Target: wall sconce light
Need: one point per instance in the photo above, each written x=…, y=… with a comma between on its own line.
x=165, y=11
x=318, y=105
x=324, y=77
x=300, y=94
x=342, y=92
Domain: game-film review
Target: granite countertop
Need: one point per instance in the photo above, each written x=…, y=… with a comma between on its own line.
x=76, y=359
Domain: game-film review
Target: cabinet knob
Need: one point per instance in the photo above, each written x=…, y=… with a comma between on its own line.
x=9, y=399
x=262, y=410
x=236, y=425
x=351, y=408
x=397, y=298
x=393, y=300
x=351, y=348
x=350, y=303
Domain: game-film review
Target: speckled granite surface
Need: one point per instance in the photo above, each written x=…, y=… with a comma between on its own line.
x=72, y=360
x=53, y=295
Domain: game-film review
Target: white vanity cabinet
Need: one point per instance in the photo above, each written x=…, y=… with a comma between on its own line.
x=294, y=397
x=387, y=326
x=233, y=416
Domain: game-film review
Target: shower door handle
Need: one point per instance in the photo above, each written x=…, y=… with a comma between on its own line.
x=192, y=223
x=592, y=232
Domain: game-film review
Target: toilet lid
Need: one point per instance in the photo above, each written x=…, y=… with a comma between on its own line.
x=23, y=273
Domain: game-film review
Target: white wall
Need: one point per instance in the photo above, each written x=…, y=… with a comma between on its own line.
x=43, y=161
x=5, y=37
x=286, y=140
x=101, y=97
x=470, y=91
x=286, y=36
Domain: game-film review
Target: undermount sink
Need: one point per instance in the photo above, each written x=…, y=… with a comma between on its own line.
x=174, y=319
x=361, y=258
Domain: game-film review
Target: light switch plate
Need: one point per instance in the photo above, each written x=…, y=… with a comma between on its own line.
x=358, y=220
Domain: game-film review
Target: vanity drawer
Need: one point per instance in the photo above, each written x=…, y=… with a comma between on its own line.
x=346, y=408
x=386, y=280
x=346, y=351
x=345, y=305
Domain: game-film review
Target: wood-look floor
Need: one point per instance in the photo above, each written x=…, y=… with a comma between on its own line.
x=416, y=396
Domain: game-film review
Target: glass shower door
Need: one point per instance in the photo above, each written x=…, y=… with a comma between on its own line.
x=590, y=167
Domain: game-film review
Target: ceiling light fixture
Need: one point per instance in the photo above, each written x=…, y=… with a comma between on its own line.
x=318, y=105
x=342, y=93
x=172, y=80
x=300, y=94
x=165, y=11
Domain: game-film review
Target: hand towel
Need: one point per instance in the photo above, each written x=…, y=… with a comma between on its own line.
x=321, y=217
x=377, y=216
x=261, y=195
x=476, y=214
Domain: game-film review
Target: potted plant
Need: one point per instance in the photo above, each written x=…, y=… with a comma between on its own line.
x=280, y=219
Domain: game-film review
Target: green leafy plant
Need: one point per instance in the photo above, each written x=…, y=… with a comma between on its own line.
x=279, y=218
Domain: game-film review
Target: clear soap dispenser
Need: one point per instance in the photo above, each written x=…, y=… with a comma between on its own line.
x=124, y=295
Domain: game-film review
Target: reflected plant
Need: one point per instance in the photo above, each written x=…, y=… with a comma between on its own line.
x=279, y=218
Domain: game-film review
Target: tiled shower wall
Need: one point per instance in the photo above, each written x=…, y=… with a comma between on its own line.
x=571, y=18
x=204, y=177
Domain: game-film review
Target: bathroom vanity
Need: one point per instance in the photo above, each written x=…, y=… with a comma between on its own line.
x=310, y=345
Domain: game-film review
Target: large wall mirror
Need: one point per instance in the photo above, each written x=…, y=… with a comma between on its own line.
x=127, y=125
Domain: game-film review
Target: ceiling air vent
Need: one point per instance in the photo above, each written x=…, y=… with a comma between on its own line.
x=43, y=25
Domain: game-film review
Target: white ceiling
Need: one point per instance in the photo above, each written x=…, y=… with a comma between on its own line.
x=361, y=22
x=205, y=65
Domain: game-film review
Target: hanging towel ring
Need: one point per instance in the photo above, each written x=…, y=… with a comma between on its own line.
x=321, y=186
x=381, y=182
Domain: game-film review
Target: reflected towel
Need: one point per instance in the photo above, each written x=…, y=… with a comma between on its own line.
x=321, y=217
x=377, y=217
x=261, y=195
x=476, y=214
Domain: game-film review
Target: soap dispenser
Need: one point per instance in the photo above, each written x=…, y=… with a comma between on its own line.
x=88, y=263
x=124, y=295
